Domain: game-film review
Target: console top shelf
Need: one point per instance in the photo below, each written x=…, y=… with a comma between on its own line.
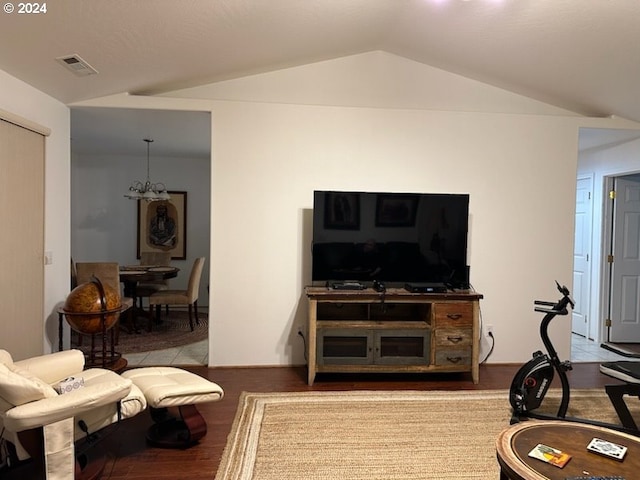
x=390, y=294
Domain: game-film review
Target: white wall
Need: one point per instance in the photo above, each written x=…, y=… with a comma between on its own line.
x=268, y=159
x=104, y=223
x=21, y=99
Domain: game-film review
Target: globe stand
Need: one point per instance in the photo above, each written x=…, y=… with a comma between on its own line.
x=106, y=356
x=84, y=322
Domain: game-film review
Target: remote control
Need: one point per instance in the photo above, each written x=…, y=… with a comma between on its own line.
x=608, y=449
x=591, y=477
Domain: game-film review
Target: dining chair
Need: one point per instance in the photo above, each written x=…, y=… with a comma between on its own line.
x=187, y=297
x=146, y=289
x=109, y=274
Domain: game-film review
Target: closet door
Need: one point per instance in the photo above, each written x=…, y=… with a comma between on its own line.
x=21, y=241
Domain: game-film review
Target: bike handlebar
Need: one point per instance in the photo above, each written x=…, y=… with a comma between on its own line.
x=563, y=311
x=559, y=307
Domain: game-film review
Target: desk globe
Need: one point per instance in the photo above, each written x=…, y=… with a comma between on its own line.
x=86, y=310
x=93, y=309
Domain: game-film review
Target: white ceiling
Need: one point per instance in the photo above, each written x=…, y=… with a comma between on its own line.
x=581, y=55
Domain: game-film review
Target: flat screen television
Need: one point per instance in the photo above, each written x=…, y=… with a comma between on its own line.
x=393, y=238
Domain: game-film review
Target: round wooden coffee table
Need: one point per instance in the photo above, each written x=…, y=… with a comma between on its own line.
x=515, y=442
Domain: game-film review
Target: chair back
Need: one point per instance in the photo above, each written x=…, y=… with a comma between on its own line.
x=155, y=258
x=194, y=279
x=107, y=272
x=74, y=275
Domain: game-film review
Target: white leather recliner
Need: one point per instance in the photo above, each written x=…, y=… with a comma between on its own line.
x=31, y=409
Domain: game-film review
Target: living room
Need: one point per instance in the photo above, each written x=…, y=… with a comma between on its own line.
x=373, y=121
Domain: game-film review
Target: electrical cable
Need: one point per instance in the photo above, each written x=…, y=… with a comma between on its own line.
x=493, y=344
x=304, y=345
x=489, y=334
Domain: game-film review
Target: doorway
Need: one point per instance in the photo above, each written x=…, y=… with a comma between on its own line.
x=604, y=155
x=108, y=154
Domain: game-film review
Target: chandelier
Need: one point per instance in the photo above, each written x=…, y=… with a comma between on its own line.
x=147, y=191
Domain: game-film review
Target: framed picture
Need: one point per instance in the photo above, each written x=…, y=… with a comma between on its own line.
x=396, y=210
x=162, y=226
x=342, y=211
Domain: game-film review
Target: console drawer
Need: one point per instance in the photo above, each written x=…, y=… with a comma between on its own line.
x=452, y=357
x=454, y=337
x=453, y=314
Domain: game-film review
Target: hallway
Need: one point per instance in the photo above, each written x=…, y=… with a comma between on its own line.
x=584, y=350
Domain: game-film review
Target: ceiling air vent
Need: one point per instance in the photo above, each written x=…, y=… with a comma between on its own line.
x=77, y=65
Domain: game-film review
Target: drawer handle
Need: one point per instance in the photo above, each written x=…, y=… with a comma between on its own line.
x=454, y=359
x=454, y=316
x=455, y=339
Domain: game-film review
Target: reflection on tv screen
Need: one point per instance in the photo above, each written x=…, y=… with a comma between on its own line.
x=390, y=237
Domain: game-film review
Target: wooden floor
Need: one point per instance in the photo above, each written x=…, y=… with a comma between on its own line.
x=129, y=458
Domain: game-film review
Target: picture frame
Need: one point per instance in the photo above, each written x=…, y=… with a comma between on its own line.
x=396, y=210
x=162, y=226
x=342, y=211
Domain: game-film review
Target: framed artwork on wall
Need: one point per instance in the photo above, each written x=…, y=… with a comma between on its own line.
x=162, y=226
x=342, y=211
x=396, y=210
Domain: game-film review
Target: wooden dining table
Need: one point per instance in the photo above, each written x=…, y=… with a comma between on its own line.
x=133, y=275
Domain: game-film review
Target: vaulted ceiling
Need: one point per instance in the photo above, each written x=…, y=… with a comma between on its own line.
x=581, y=55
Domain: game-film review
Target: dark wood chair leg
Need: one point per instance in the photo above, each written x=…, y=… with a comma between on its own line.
x=131, y=316
x=151, y=318
x=195, y=306
x=191, y=316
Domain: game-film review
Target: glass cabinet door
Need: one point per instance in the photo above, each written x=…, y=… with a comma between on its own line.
x=336, y=346
x=344, y=346
x=402, y=347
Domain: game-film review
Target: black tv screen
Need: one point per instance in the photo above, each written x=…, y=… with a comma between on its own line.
x=390, y=237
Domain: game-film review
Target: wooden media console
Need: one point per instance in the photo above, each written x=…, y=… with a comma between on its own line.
x=394, y=331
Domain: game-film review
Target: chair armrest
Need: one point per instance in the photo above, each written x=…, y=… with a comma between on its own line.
x=50, y=410
x=53, y=367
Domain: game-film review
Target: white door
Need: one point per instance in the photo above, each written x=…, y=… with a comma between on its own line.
x=581, y=258
x=625, y=271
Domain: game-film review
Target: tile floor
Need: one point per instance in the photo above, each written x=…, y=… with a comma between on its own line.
x=582, y=350
x=191, y=354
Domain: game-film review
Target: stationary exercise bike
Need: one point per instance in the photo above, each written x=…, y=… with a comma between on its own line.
x=533, y=379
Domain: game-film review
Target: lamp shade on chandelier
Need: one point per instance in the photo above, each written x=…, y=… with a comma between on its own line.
x=147, y=190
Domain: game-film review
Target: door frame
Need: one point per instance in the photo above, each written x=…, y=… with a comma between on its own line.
x=591, y=332
x=605, y=268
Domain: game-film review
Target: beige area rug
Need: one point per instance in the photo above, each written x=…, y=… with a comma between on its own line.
x=378, y=435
